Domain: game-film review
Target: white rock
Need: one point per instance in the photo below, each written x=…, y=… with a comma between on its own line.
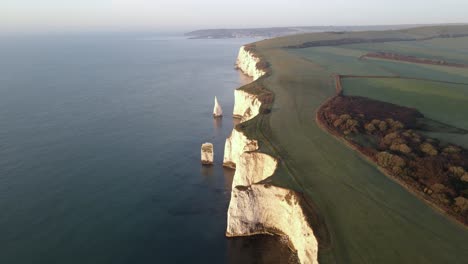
x=263, y=209
x=246, y=106
x=253, y=167
x=259, y=208
x=236, y=144
x=217, y=110
x=247, y=63
x=207, y=154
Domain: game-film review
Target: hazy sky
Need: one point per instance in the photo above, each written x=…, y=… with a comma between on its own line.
x=79, y=15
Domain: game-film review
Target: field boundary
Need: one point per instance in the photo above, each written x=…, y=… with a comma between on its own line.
x=321, y=123
x=411, y=59
x=340, y=77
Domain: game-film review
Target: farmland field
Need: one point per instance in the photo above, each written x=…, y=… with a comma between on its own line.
x=447, y=103
x=367, y=217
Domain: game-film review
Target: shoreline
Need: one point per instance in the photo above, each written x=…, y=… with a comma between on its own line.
x=348, y=191
x=257, y=207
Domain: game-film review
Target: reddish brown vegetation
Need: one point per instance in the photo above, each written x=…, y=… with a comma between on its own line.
x=384, y=133
x=356, y=106
x=412, y=59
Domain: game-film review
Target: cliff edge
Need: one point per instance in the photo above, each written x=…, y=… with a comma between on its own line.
x=256, y=207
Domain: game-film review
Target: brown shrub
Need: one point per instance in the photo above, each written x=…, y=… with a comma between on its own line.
x=403, y=148
x=390, y=138
x=414, y=137
x=438, y=188
x=429, y=149
x=464, y=178
x=387, y=160
x=462, y=203
x=383, y=126
x=346, y=124
x=457, y=171
x=451, y=150
x=394, y=125
x=441, y=198
x=370, y=128
x=429, y=170
x=337, y=123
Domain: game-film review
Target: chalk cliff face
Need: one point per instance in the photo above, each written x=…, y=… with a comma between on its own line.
x=264, y=209
x=257, y=208
x=236, y=144
x=253, y=167
x=247, y=63
x=246, y=106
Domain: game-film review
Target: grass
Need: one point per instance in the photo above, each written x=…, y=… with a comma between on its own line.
x=447, y=103
x=453, y=49
x=440, y=101
x=370, y=218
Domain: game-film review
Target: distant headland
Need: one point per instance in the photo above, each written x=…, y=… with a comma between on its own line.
x=273, y=32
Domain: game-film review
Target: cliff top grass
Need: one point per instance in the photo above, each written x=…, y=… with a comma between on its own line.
x=369, y=217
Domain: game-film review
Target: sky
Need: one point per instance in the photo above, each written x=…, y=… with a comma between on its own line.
x=127, y=15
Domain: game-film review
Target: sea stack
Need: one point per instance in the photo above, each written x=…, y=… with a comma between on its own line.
x=217, y=111
x=207, y=154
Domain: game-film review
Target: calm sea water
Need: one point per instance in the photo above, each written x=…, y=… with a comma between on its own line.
x=99, y=151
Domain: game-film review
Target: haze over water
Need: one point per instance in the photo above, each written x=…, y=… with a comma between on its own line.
x=100, y=151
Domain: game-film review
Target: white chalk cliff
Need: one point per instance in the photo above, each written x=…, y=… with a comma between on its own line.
x=253, y=167
x=236, y=144
x=247, y=105
x=217, y=110
x=265, y=209
x=255, y=207
x=247, y=63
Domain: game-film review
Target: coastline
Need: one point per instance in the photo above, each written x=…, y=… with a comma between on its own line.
x=257, y=207
x=350, y=194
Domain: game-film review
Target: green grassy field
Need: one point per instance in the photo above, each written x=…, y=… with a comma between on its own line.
x=439, y=101
x=370, y=218
x=455, y=50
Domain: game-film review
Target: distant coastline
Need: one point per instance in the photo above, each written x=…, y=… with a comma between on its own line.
x=273, y=32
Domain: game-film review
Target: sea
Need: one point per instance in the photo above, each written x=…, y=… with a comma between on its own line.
x=100, y=138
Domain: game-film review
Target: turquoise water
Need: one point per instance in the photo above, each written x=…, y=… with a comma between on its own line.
x=99, y=151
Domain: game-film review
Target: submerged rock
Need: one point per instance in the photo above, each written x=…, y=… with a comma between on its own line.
x=207, y=154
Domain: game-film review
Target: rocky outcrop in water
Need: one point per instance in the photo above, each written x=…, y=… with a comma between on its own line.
x=217, y=110
x=207, y=154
